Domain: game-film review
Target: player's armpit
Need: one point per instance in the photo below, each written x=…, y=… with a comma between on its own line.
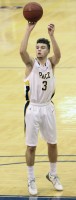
x=54, y=60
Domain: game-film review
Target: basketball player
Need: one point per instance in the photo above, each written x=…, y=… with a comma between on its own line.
x=40, y=113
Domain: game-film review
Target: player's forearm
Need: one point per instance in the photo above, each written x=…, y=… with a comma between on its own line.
x=55, y=46
x=24, y=43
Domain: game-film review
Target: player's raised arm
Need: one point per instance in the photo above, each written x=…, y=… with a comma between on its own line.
x=23, y=48
x=57, y=55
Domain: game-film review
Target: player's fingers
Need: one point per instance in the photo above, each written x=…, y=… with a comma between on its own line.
x=31, y=23
x=51, y=26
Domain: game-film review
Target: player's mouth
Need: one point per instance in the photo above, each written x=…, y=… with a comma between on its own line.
x=39, y=53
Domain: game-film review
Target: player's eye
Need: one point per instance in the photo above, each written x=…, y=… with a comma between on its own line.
x=43, y=47
x=37, y=47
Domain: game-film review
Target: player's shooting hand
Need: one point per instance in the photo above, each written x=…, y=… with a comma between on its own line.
x=51, y=29
x=31, y=25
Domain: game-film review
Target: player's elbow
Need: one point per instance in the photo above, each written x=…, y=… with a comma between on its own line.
x=21, y=52
x=59, y=55
x=23, y=55
x=57, y=58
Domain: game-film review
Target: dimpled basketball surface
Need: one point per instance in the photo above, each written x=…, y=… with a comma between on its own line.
x=32, y=12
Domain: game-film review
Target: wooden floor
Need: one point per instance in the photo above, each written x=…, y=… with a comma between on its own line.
x=13, y=170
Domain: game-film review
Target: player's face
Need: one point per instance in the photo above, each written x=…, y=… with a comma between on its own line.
x=41, y=50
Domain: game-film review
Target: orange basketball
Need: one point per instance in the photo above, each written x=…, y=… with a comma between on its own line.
x=32, y=12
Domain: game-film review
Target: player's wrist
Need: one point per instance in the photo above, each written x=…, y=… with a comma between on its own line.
x=51, y=36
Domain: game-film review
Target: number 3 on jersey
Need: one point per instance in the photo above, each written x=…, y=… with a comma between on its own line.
x=44, y=85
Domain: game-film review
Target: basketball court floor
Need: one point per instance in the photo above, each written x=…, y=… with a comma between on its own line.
x=13, y=170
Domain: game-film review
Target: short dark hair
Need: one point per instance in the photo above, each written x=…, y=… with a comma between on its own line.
x=44, y=41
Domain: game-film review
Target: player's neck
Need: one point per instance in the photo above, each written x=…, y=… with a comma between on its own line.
x=42, y=61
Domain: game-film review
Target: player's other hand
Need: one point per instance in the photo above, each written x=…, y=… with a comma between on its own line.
x=51, y=29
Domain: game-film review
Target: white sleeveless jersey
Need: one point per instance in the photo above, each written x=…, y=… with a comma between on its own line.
x=40, y=82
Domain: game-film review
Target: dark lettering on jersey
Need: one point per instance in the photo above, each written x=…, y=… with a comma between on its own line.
x=44, y=76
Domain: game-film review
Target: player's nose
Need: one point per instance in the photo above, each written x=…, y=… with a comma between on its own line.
x=39, y=49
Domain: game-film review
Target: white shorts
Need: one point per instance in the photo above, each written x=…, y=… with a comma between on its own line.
x=40, y=117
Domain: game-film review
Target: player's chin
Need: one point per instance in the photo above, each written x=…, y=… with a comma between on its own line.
x=39, y=56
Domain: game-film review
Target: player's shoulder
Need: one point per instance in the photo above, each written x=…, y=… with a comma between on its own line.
x=36, y=63
x=51, y=64
x=50, y=61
